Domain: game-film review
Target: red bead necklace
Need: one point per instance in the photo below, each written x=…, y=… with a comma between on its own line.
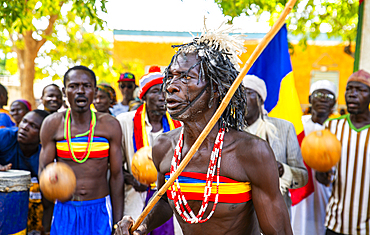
x=179, y=199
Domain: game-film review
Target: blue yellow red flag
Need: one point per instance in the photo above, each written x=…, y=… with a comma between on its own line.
x=275, y=68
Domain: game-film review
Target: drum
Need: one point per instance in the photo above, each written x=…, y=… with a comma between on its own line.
x=14, y=185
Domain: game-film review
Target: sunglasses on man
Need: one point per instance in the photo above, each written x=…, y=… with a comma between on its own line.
x=325, y=96
x=129, y=86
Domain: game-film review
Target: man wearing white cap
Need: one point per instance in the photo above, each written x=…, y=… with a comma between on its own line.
x=308, y=216
x=280, y=134
x=139, y=129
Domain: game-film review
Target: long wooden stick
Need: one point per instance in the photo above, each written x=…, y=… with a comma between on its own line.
x=256, y=53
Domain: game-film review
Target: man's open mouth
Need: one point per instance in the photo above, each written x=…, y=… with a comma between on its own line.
x=81, y=101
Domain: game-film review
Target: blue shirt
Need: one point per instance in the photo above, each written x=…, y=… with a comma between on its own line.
x=5, y=120
x=10, y=152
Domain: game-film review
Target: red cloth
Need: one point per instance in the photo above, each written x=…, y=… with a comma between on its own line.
x=299, y=194
x=138, y=129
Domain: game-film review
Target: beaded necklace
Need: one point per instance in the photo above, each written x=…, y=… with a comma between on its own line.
x=67, y=135
x=179, y=199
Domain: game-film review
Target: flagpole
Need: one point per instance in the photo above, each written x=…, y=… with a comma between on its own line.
x=358, y=37
x=256, y=53
x=364, y=62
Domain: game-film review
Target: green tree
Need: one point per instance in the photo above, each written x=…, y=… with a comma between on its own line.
x=338, y=18
x=29, y=24
x=2, y=66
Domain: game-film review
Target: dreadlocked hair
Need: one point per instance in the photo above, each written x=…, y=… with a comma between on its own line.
x=217, y=53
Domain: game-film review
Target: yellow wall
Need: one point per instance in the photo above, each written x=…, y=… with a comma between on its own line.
x=302, y=61
x=146, y=52
x=302, y=65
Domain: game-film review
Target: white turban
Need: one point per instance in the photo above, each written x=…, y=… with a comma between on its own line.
x=257, y=84
x=264, y=127
x=325, y=85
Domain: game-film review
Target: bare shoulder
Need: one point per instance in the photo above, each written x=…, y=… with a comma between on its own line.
x=107, y=125
x=248, y=150
x=53, y=121
x=106, y=119
x=52, y=127
x=165, y=144
x=168, y=137
x=243, y=141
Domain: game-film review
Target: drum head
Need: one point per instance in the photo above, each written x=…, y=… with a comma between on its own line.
x=14, y=180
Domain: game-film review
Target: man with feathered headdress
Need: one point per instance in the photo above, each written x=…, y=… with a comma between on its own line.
x=280, y=134
x=236, y=195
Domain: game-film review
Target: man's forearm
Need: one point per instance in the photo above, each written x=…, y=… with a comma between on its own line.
x=160, y=214
x=117, y=196
x=47, y=214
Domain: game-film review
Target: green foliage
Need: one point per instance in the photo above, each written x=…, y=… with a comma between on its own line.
x=77, y=47
x=69, y=43
x=307, y=16
x=20, y=15
x=11, y=66
x=2, y=66
x=3, y=46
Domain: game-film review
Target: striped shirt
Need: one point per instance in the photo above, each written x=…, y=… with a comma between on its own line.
x=348, y=210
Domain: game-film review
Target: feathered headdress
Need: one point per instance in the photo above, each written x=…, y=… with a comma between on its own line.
x=218, y=61
x=223, y=40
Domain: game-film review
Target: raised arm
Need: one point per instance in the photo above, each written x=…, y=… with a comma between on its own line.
x=116, y=174
x=269, y=204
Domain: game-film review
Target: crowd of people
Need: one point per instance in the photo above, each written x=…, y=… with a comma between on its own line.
x=247, y=192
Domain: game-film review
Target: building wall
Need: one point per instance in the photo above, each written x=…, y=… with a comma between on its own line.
x=303, y=61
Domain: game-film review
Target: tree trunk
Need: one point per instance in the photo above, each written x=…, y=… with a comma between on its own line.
x=26, y=65
x=26, y=60
x=26, y=76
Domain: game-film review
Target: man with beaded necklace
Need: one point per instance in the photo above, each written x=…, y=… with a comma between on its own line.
x=139, y=129
x=242, y=193
x=82, y=139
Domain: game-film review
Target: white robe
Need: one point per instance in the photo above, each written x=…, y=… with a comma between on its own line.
x=308, y=216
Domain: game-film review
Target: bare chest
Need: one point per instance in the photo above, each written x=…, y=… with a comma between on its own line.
x=230, y=164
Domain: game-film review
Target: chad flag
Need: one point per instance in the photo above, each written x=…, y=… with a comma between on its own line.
x=275, y=68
